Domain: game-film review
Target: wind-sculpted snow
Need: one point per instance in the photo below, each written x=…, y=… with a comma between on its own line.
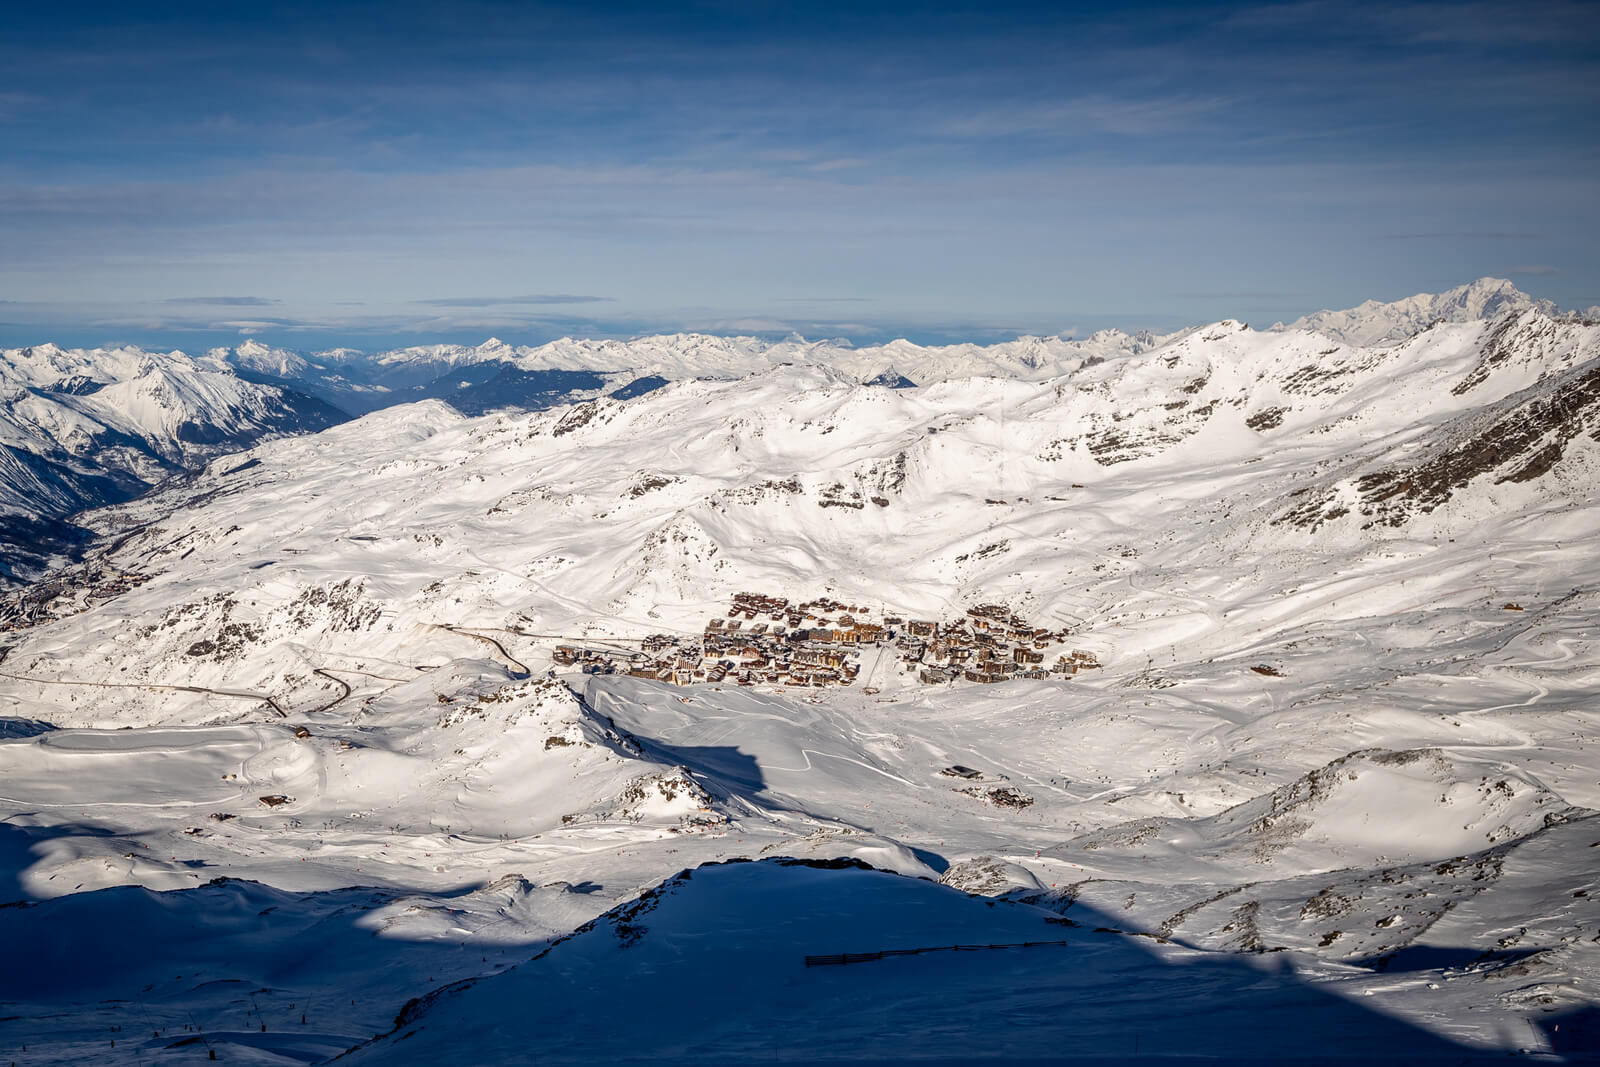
x=1332, y=792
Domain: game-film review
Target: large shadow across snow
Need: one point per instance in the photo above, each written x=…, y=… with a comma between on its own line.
x=176, y=975
x=710, y=969
x=721, y=765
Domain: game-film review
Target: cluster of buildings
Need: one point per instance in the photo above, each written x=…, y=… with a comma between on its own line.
x=766, y=640
x=67, y=593
x=991, y=644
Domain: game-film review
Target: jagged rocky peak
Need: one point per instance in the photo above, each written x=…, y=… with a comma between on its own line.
x=892, y=379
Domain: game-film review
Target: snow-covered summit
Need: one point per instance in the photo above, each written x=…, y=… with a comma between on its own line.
x=1377, y=323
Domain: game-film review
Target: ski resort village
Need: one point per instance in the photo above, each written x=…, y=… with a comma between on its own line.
x=823, y=642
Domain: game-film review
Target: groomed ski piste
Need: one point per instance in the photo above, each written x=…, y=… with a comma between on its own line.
x=315, y=788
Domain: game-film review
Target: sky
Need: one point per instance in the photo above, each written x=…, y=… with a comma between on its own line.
x=318, y=174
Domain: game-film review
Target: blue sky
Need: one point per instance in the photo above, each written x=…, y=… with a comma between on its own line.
x=393, y=173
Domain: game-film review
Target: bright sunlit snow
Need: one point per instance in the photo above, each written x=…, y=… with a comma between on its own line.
x=290, y=767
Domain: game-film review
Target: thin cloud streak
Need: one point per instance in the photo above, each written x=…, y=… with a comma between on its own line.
x=223, y=301
x=499, y=301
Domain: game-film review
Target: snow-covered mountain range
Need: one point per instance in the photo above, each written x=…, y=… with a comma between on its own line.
x=361, y=382
x=1331, y=792
x=81, y=428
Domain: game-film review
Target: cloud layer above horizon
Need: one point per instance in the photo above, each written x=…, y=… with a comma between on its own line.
x=401, y=172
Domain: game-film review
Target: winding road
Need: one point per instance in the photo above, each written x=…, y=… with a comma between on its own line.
x=517, y=666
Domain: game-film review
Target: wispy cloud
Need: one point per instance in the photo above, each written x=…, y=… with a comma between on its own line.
x=223, y=301
x=248, y=326
x=12, y=105
x=1535, y=268
x=536, y=299
x=1124, y=116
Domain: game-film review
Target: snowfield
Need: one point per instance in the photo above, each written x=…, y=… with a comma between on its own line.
x=315, y=782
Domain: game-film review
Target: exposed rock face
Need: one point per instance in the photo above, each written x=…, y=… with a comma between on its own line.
x=1520, y=440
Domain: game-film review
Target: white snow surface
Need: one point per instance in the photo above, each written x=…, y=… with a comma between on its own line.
x=1332, y=794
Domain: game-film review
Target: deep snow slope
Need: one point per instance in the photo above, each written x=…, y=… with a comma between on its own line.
x=1333, y=792
x=83, y=428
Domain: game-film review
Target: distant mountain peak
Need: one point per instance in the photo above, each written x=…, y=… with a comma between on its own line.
x=1378, y=323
